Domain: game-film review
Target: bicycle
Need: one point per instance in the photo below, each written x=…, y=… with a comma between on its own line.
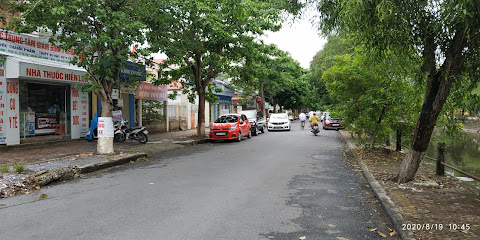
x=302, y=125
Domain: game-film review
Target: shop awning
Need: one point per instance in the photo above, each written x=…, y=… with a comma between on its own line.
x=24, y=67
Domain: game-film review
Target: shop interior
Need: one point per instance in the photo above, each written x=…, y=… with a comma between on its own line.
x=45, y=109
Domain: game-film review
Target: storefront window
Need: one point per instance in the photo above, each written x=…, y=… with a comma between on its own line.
x=49, y=103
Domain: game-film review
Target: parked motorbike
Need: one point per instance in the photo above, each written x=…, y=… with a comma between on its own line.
x=92, y=133
x=315, y=129
x=123, y=132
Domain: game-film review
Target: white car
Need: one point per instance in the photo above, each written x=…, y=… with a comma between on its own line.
x=278, y=121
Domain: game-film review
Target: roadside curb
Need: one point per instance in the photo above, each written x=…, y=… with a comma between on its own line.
x=44, y=177
x=110, y=163
x=192, y=142
x=202, y=141
x=388, y=205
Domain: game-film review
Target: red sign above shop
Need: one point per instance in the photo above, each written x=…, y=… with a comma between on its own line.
x=148, y=91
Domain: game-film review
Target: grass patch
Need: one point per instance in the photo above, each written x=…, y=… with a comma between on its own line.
x=19, y=167
x=4, y=168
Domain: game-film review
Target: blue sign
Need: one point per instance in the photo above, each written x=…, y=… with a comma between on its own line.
x=133, y=70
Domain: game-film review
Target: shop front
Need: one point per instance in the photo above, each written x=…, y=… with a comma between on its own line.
x=125, y=106
x=39, y=91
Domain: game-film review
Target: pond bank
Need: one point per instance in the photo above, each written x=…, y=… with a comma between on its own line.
x=433, y=207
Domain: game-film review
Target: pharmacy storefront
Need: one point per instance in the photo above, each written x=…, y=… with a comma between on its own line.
x=39, y=90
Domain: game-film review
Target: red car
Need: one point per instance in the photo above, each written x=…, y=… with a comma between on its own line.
x=232, y=126
x=332, y=123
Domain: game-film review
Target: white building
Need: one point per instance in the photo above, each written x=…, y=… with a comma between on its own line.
x=38, y=93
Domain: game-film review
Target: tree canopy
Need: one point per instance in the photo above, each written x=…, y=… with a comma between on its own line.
x=208, y=37
x=99, y=32
x=277, y=76
x=443, y=34
x=323, y=60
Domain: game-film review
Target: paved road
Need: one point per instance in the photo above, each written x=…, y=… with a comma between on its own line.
x=277, y=185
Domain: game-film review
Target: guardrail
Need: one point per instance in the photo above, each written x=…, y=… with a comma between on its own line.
x=440, y=163
x=440, y=160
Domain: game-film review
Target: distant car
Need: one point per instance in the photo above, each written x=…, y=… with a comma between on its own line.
x=332, y=123
x=278, y=121
x=232, y=126
x=256, y=119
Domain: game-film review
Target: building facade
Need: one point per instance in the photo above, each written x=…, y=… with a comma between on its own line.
x=224, y=103
x=39, y=90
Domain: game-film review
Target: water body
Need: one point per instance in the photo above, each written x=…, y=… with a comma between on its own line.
x=464, y=155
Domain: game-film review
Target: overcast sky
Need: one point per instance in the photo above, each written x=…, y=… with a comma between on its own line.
x=299, y=38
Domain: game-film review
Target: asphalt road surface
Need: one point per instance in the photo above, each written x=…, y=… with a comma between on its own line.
x=277, y=185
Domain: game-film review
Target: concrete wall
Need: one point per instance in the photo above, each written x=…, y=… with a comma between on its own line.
x=160, y=126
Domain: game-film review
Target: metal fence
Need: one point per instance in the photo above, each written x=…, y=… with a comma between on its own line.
x=439, y=161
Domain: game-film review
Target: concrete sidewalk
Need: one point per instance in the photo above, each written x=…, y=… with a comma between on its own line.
x=48, y=159
x=43, y=148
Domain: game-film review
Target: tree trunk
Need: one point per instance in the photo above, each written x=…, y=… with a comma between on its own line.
x=375, y=131
x=372, y=139
x=398, y=147
x=105, y=144
x=438, y=89
x=439, y=84
x=201, y=114
x=274, y=106
x=262, y=95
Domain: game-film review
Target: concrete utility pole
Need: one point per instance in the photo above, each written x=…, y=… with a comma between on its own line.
x=167, y=120
x=140, y=112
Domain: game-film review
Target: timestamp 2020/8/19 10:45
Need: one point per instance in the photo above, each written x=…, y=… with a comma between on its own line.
x=435, y=226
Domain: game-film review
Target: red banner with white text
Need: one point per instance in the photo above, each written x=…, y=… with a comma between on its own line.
x=149, y=91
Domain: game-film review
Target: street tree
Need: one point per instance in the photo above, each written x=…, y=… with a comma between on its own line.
x=444, y=34
x=288, y=74
x=372, y=95
x=274, y=74
x=207, y=38
x=324, y=59
x=100, y=32
x=251, y=74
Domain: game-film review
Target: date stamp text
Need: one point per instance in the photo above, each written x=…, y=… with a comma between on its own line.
x=435, y=227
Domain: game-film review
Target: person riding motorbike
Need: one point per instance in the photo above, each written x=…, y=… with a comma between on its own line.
x=302, y=118
x=314, y=120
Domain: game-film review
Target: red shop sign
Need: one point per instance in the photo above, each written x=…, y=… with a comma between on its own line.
x=149, y=91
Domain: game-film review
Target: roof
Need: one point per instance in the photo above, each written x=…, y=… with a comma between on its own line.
x=175, y=85
x=159, y=61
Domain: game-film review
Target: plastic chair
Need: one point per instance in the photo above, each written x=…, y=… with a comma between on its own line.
x=59, y=130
